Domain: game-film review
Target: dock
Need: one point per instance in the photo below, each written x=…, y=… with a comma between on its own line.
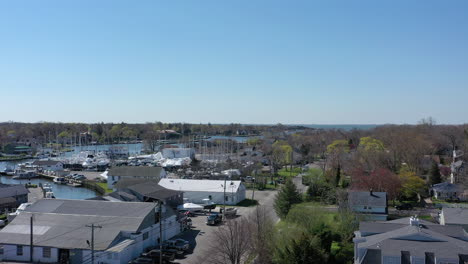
x=35, y=194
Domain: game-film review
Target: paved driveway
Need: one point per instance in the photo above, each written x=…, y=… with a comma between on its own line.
x=201, y=235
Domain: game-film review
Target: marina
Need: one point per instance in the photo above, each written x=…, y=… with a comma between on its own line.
x=61, y=191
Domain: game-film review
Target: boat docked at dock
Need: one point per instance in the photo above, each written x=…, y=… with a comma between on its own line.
x=23, y=174
x=60, y=180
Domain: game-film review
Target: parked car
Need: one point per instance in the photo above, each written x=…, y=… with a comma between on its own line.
x=405, y=206
x=79, y=177
x=142, y=261
x=214, y=219
x=156, y=253
x=2, y=223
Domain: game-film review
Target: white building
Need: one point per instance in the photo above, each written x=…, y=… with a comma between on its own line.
x=62, y=230
x=133, y=172
x=178, y=153
x=49, y=165
x=197, y=190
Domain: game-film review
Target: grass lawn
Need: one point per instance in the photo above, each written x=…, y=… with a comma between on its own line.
x=3, y=216
x=286, y=172
x=104, y=186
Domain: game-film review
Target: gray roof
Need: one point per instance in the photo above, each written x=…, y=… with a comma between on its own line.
x=91, y=207
x=446, y=187
x=46, y=162
x=123, y=196
x=10, y=190
x=148, y=188
x=7, y=200
x=63, y=223
x=357, y=198
x=443, y=241
x=136, y=171
x=458, y=216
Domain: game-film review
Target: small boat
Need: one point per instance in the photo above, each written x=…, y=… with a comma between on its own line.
x=47, y=187
x=60, y=180
x=21, y=174
x=190, y=207
x=9, y=171
x=74, y=184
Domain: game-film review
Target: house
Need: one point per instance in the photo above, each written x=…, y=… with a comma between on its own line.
x=408, y=241
x=148, y=190
x=197, y=190
x=62, y=231
x=12, y=195
x=370, y=205
x=133, y=172
x=17, y=149
x=446, y=190
x=49, y=165
x=454, y=216
x=178, y=153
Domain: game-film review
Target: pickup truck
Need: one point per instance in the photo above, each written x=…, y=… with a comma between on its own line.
x=230, y=211
x=214, y=219
x=178, y=244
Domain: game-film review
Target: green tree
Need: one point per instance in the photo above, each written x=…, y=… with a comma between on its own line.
x=285, y=198
x=304, y=250
x=412, y=185
x=371, y=144
x=434, y=176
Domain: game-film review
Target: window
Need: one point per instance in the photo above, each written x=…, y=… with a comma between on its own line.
x=1, y=250
x=19, y=250
x=145, y=235
x=46, y=252
x=365, y=207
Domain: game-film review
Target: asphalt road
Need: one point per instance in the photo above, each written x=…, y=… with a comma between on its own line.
x=202, y=237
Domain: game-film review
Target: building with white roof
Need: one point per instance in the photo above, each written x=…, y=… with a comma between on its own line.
x=197, y=190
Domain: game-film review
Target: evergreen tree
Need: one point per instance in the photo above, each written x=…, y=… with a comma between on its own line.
x=338, y=176
x=434, y=176
x=304, y=250
x=285, y=198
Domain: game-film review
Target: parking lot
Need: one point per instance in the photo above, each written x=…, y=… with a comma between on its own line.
x=201, y=236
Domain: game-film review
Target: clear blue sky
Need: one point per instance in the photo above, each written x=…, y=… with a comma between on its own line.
x=243, y=61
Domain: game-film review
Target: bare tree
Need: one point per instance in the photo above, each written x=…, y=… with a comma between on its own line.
x=232, y=242
x=262, y=230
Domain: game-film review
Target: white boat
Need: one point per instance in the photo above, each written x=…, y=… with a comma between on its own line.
x=22, y=174
x=47, y=187
x=60, y=180
x=191, y=207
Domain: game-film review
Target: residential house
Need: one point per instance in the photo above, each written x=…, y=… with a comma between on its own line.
x=409, y=241
x=454, y=216
x=446, y=190
x=62, y=231
x=218, y=191
x=49, y=165
x=12, y=195
x=133, y=172
x=148, y=190
x=370, y=205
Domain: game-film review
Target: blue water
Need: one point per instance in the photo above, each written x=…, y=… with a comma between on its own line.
x=237, y=139
x=60, y=191
x=343, y=126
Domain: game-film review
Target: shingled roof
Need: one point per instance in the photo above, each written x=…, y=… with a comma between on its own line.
x=11, y=190
x=359, y=198
x=148, y=188
x=136, y=171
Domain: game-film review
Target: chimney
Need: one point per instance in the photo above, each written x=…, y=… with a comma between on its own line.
x=414, y=221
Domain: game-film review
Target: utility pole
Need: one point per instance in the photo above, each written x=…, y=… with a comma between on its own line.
x=92, y=226
x=160, y=233
x=31, y=249
x=224, y=198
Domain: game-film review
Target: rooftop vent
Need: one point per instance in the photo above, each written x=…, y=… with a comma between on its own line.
x=414, y=221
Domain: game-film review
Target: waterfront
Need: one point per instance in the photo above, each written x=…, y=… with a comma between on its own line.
x=60, y=190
